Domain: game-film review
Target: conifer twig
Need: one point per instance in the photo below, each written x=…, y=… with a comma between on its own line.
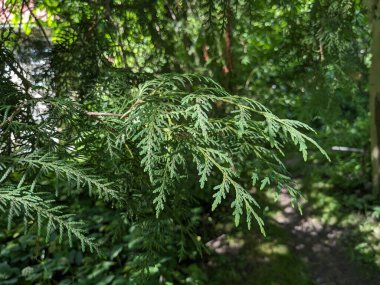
x=105, y=114
x=38, y=23
x=11, y=117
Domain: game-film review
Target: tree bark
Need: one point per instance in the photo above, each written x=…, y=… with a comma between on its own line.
x=374, y=94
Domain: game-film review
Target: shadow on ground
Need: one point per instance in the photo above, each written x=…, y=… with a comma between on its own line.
x=300, y=249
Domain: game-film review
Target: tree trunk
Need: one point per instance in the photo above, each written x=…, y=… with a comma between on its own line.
x=228, y=57
x=374, y=90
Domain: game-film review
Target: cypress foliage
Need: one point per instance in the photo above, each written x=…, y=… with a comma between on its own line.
x=167, y=129
x=149, y=150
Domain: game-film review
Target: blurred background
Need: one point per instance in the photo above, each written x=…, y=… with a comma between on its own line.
x=307, y=60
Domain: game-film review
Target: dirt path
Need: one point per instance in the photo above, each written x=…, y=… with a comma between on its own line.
x=321, y=249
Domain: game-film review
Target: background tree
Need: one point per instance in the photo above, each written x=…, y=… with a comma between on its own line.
x=374, y=87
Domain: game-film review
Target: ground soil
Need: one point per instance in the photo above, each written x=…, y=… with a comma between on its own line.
x=321, y=248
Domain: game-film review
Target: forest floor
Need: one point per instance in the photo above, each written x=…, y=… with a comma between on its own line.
x=320, y=247
x=323, y=246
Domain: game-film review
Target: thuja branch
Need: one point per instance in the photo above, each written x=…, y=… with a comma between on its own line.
x=12, y=116
x=107, y=114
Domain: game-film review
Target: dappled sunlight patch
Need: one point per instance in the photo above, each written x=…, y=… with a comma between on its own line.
x=348, y=222
x=325, y=207
x=364, y=242
x=225, y=244
x=270, y=248
x=322, y=185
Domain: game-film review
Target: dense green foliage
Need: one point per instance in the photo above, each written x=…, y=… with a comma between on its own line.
x=131, y=130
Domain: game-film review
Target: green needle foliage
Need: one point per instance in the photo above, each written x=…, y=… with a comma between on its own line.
x=173, y=129
x=176, y=126
x=111, y=142
x=34, y=208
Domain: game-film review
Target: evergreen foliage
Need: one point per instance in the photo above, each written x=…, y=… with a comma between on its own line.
x=170, y=126
x=144, y=127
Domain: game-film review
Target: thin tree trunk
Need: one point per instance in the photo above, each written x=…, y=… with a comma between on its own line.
x=374, y=90
x=228, y=41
